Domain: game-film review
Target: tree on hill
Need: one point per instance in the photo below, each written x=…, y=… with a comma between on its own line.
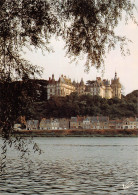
x=83, y=105
x=133, y=96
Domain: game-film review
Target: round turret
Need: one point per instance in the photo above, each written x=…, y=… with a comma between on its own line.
x=116, y=86
x=82, y=82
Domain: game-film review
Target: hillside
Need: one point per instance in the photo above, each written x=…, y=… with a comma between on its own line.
x=132, y=97
x=29, y=98
x=83, y=105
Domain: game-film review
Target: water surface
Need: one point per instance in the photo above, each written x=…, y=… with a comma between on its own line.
x=74, y=166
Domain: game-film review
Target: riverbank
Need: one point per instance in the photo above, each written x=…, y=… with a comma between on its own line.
x=79, y=133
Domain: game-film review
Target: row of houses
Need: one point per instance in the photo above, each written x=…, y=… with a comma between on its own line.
x=89, y=122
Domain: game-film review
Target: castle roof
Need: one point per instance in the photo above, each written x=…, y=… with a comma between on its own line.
x=115, y=81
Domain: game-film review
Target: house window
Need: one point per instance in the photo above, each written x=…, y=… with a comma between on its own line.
x=50, y=90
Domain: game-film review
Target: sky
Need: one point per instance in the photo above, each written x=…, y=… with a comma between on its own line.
x=126, y=66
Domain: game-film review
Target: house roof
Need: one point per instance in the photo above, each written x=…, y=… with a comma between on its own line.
x=80, y=118
x=87, y=119
x=131, y=119
x=100, y=118
x=32, y=122
x=55, y=120
x=74, y=119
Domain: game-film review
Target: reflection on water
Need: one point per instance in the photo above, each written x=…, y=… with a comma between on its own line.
x=74, y=166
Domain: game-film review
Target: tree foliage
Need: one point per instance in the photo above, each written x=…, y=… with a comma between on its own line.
x=91, y=29
x=83, y=105
x=87, y=27
x=14, y=102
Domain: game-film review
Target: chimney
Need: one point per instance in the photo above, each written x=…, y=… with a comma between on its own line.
x=52, y=76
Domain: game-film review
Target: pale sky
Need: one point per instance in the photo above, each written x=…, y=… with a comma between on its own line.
x=126, y=67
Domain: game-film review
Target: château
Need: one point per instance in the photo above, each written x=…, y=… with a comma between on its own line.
x=104, y=88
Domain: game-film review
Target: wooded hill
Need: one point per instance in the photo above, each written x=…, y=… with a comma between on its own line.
x=31, y=101
x=83, y=105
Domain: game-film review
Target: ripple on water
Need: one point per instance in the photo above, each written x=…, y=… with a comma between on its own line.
x=98, y=170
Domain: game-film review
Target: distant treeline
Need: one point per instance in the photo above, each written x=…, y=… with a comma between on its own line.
x=84, y=105
x=32, y=101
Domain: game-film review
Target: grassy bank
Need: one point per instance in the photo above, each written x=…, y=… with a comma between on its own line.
x=79, y=133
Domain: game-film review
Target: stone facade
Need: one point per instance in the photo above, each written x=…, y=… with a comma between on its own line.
x=63, y=123
x=80, y=122
x=130, y=123
x=99, y=87
x=80, y=87
x=43, y=124
x=104, y=89
x=62, y=87
x=116, y=87
x=46, y=124
x=32, y=125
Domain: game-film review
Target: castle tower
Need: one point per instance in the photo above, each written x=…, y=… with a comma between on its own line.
x=116, y=87
x=108, y=89
x=82, y=82
x=81, y=87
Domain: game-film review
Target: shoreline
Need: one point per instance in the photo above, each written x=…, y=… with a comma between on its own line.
x=78, y=133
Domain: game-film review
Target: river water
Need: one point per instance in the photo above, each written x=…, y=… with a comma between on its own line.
x=73, y=165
